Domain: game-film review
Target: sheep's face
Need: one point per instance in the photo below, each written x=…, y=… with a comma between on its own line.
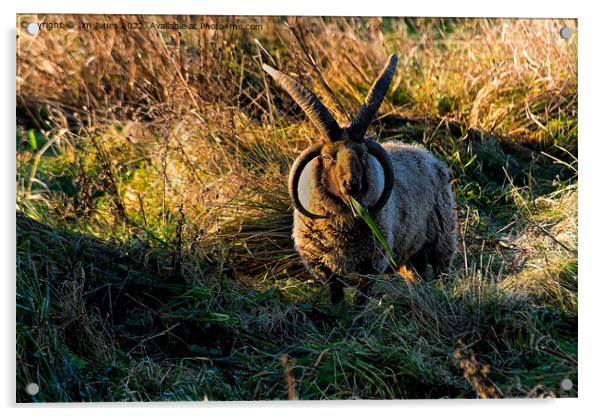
x=344, y=168
x=343, y=153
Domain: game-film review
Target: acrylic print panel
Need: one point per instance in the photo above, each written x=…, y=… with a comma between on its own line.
x=426, y=247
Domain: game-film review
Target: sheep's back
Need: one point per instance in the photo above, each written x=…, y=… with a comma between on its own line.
x=421, y=197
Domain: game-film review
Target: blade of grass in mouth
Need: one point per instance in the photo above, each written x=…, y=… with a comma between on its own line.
x=351, y=206
x=360, y=211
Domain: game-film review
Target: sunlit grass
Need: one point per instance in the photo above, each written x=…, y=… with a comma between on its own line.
x=159, y=263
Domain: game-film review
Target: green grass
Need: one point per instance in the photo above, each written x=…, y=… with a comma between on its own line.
x=119, y=314
x=363, y=213
x=154, y=257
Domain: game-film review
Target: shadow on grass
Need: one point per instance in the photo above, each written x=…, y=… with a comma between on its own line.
x=84, y=306
x=107, y=322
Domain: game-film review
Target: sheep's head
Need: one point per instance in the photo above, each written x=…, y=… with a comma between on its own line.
x=343, y=166
x=342, y=152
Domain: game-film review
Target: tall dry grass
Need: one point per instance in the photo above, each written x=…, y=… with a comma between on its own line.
x=168, y=151
x=196, y=108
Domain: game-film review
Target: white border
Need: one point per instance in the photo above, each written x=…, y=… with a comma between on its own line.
x=590, y=116
x=506, y=8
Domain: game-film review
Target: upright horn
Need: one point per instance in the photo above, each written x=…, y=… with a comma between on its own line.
x=375, y=97
x=309, y=103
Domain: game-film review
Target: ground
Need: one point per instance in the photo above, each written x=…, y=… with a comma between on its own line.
x=154, y=258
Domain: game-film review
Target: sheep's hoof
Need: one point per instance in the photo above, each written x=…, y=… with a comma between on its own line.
x=360, y=299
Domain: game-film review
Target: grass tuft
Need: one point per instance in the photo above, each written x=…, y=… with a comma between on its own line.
x=154, y=255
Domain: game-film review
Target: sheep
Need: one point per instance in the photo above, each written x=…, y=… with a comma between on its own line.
x=406, y=189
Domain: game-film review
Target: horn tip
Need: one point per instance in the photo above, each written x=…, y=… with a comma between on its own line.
x=272, y=71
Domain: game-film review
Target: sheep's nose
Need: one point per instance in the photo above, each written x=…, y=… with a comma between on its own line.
x=349, y=186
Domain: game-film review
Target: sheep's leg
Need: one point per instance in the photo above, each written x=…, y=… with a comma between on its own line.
x=441, y=257
x=335, y=287
x=364, y=285
x=362, y=293
x=333, y=282
x=442, y=252
x=418, y=261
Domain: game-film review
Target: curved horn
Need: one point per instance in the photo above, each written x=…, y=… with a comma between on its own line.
x=293, y=180
x=375, y=97
x=382, y=156
x=309, y=103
